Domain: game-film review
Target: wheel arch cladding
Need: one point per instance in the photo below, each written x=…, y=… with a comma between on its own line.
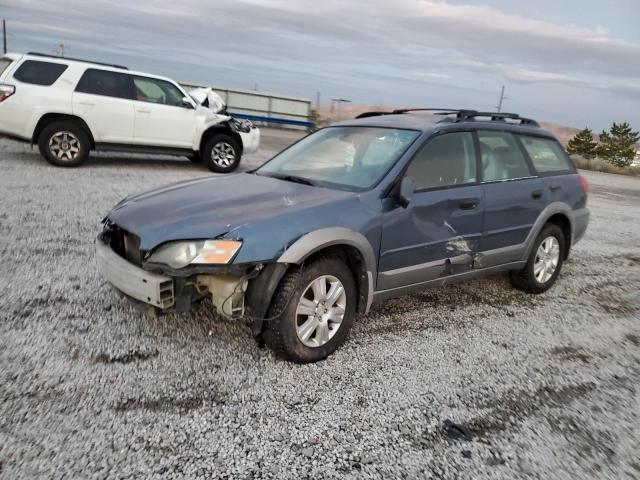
x=559, y=214
x=220, y=128
x=562, y=221
x=351, y=246
x=49, y=118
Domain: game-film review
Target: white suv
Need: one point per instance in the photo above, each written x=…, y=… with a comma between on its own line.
x=70, y=107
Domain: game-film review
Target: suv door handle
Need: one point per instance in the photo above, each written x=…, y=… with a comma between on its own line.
x=87, y=104
x=536, y=194
x=143, y=111
x=469, y=203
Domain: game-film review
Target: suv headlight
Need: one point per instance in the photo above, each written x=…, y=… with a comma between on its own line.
x=181, y=254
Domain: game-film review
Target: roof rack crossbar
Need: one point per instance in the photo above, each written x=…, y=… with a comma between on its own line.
x=46, y=55
x=461, y=114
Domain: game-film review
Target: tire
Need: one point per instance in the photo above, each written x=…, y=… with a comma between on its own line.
x=221, y=153
x=195, y=158
x=64, y=144
x=281, y=333
x=534, y=277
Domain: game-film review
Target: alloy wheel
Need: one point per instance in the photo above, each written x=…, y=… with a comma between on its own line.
x=223, y=154
x=320, y=311
x=547, y=258
x=64, y=146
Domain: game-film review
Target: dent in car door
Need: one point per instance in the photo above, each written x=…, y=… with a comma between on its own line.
x=103, y=99
x=439, y=232
x=161, y=119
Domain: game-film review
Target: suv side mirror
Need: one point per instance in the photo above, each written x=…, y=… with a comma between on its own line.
x=405, y=195
x=187, y=103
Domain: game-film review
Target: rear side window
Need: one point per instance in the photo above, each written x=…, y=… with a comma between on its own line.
x=4, y=63
x=39, y=73
x=501, y=157
x=446, y=160
x=105, y=83
x=546, y=155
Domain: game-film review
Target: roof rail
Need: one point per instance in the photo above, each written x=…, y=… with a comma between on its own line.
x=46, y=55
x=460, y=114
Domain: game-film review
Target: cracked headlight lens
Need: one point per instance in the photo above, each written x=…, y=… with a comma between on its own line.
x=181, y=254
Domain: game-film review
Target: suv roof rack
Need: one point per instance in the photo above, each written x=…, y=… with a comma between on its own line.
x=46, y=55
x=461, y=114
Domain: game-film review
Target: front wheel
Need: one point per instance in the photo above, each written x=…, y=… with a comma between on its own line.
x=314, y=309
x=221, y=153
x=64, y=144
x=544, y=263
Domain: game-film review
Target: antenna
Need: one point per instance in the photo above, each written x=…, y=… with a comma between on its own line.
x=502, y=97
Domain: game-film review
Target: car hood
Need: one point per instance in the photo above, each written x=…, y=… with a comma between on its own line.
x=212, y=207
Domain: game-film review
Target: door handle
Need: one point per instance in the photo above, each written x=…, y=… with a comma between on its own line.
x=143, y=111
x=536, y=194
x=87, y=104
x=469, y=203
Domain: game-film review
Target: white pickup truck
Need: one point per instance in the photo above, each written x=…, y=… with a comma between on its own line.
x=70, y=107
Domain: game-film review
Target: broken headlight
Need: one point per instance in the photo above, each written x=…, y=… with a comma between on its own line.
x=181, y=254
x=243, y=126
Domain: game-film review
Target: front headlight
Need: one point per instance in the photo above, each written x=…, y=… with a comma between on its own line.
x=181, y=254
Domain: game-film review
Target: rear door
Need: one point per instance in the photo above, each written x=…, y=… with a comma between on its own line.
x=161, y=117
x=439, y=232
x=103, y=99
x=514, y=196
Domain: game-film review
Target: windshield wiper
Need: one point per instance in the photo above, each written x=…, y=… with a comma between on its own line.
x=293, y=178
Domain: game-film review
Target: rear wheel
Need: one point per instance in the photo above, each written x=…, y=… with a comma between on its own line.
x=544, y=263
x=64, y=144
x=314, y=307
x=221, y=153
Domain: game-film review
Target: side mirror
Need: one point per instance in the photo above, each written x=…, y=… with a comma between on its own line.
x=405, y=195
x=187, y=103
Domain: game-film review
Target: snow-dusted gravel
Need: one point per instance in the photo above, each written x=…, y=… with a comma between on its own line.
x=91, y=387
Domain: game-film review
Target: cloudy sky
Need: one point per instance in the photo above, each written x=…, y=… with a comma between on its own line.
x=575, y=62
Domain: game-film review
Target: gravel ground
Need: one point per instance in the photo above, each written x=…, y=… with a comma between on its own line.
x=92, y=387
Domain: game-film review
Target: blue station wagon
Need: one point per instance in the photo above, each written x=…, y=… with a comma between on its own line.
x=365, y=210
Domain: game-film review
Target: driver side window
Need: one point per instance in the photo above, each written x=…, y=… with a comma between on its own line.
x=154, y=90
x=444, y=161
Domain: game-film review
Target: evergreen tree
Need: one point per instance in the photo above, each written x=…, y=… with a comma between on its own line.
x=583, y=144
x=618, y=146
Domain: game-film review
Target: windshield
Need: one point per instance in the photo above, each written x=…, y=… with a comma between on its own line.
x=350, y=158
x=4, y=63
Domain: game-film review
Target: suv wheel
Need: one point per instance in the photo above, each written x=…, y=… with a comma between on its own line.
x=221, y=153
x=544, y=264
x=64, y=144
x=314, y=309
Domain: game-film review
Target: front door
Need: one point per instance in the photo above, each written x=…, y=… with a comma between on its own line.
x=439, y=232
x=161, y=118
x=514, y=197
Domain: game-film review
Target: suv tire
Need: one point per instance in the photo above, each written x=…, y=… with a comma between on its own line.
x=64, y=144
x=221, y=153
x=308, y=323
x=544, y=263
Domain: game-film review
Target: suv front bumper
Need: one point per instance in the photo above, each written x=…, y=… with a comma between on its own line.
x=148, y=287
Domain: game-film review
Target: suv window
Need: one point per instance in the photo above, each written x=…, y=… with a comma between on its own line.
x=501, y=157
x=105, y=83
x=445, y=160
x=546, y=155
x=4, y=63
x=39, y=73
x=154, y=90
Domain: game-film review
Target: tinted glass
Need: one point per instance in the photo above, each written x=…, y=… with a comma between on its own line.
x=348, y=158
x=444, y=161
x=4, y=63
x=105, y=83
x=546, y=155
x=39, y=73
x=157, y=91
x=501, y=156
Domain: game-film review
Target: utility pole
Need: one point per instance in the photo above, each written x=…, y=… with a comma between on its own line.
x=4, y=35
x=60, y=50
x=337, y=102
x=502, y=97
x=318, y=103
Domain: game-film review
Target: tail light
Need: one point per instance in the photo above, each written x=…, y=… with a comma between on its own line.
x=584, y=184
x=6, y=91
